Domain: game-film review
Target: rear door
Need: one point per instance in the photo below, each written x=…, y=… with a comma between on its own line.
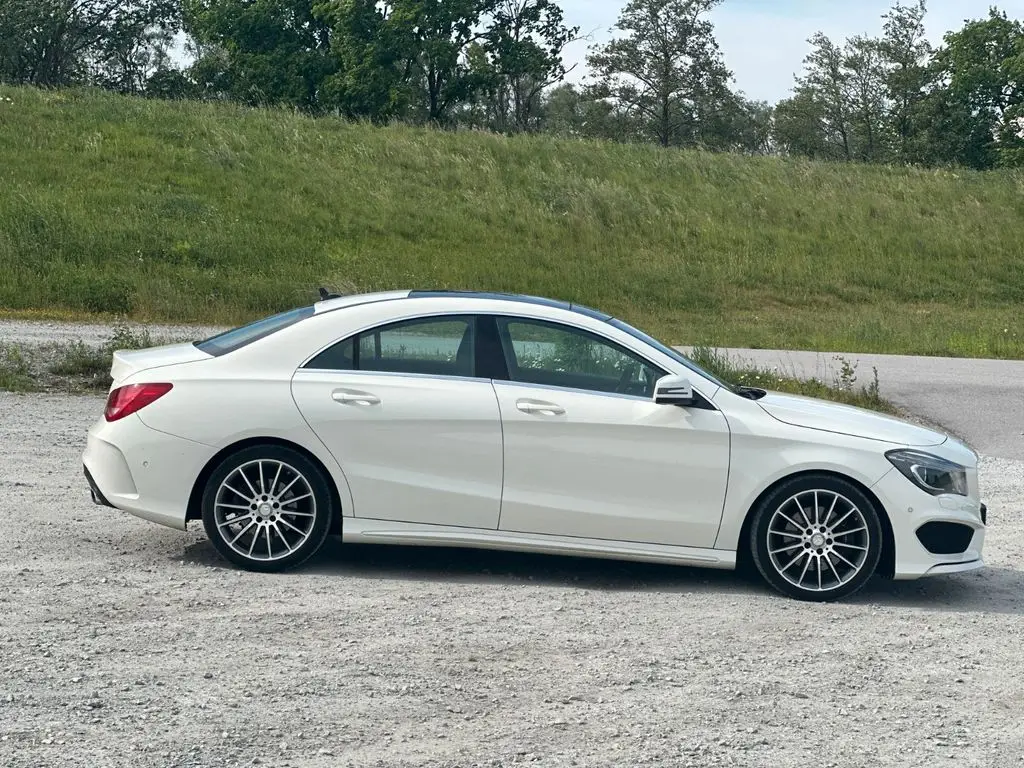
x=588, y=453
x=417, y=434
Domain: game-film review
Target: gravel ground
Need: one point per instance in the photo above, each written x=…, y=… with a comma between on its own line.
x=124, y=643
x=94, y=334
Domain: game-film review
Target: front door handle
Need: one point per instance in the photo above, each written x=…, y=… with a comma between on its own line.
x=352, y=397
x=541, y=407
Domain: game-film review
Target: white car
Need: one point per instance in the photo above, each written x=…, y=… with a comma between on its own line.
x=511, y=422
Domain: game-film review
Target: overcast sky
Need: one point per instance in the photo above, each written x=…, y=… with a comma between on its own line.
x=764, y=42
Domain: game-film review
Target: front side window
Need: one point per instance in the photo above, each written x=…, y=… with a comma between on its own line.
x=559, y=356
x=430, y=346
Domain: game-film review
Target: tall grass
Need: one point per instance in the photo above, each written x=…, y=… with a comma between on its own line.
x=214, y=213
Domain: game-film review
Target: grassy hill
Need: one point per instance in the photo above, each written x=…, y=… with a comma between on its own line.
x=194, y=212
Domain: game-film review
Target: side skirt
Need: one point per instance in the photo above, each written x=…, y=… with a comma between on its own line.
x=362, y=531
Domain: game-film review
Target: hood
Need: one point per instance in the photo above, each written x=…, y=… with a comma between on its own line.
x=127, y=362
x=847, y=420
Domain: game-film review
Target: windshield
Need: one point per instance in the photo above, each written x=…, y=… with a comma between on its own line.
x=676, y=355
x=237, y=338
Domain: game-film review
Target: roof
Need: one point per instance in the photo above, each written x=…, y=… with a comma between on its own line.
x=538, y=300
x=369, y=298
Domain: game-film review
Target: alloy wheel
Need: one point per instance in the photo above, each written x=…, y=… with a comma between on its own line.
x=818, y=540
x=265, y=510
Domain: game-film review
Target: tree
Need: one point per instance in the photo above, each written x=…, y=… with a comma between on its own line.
x=866, y=97
x=978, y=101
x=666, y=69
x=55, y=43
x=261, y=51
x=520, y=56
x=907, y=54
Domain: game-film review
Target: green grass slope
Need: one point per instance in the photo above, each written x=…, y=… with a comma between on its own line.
x=198, y=212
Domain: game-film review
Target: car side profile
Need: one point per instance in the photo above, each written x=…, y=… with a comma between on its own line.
x=519, y=423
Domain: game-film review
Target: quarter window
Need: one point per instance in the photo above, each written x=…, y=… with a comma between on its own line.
x=559, y=356
x=432, y=346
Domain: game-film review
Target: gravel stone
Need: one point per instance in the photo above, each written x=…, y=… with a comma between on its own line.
x=377, y=655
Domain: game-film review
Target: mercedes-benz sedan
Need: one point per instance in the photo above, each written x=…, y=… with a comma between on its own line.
x=511, y=422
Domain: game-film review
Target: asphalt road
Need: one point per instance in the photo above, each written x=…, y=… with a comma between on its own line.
x=981, y=401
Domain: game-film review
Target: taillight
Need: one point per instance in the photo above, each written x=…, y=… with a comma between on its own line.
x=126, y=400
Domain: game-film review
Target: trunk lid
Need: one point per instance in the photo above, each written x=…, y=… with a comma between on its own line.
x=129, y=361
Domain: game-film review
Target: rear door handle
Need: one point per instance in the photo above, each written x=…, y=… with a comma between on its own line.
x=352, y=397
x=539, y=406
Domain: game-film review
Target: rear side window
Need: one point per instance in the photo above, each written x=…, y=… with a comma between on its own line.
x=431, y=346
x=237, y=338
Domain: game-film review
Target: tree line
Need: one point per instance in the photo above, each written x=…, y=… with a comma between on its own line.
x=498, y=65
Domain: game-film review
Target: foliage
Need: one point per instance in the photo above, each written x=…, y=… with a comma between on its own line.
x=15, y=375
x=666, y=70
x=117, y=44
x=217, y=214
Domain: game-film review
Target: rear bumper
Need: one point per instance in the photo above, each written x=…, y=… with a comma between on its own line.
x=94, y=490
x=139, y=470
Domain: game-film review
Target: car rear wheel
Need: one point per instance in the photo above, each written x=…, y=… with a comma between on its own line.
x=267, y=508
x=816, y=537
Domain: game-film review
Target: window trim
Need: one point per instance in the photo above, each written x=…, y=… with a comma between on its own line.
x=505, y=338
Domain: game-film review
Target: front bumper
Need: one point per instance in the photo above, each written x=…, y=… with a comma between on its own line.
x=139, y=470
x=911, y=509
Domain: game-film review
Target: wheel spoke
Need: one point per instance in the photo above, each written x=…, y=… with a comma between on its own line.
x=835, y=500
x=839, y=555
x=819, y=574
x=787, y=534
x=259, y=466
x=241, y=471
x=297, y=498
x=790, y=520
x=284, y=490
x=292, y=513
x=790, y=563
x=843, y=518
x=847, y=533
x=277, y=476
x=807, y=520
x=252, y=544
x=237, y=492
x=839, y=580
x=250, y=525
x=816, y=523
x=234, y=520
x=282, y=520
x=270, y=548
x=233, y=506
x=280, y=535
x=785, y=549
x=804, y=571
x=850, y=546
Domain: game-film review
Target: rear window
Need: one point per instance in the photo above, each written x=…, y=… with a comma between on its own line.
x=231, y=340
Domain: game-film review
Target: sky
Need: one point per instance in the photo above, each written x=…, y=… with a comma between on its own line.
x=764, y=42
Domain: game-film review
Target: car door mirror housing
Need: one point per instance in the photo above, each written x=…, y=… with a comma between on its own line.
x=674, y=390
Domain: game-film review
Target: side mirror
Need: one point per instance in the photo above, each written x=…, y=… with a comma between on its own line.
x=673, y=390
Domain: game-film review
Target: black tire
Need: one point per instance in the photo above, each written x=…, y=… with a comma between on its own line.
x=262, y=522
x=826, y=562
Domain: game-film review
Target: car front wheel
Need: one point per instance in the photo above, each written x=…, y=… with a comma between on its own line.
x=816, y=538
x=267, y=508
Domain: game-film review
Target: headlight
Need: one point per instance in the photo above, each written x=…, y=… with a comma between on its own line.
x=931, y=474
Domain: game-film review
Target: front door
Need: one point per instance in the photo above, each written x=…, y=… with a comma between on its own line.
x=417, y=436
x=587, y=451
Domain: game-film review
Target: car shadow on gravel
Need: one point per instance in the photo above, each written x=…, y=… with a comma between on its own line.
x=992, y=590
x=475, y=566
